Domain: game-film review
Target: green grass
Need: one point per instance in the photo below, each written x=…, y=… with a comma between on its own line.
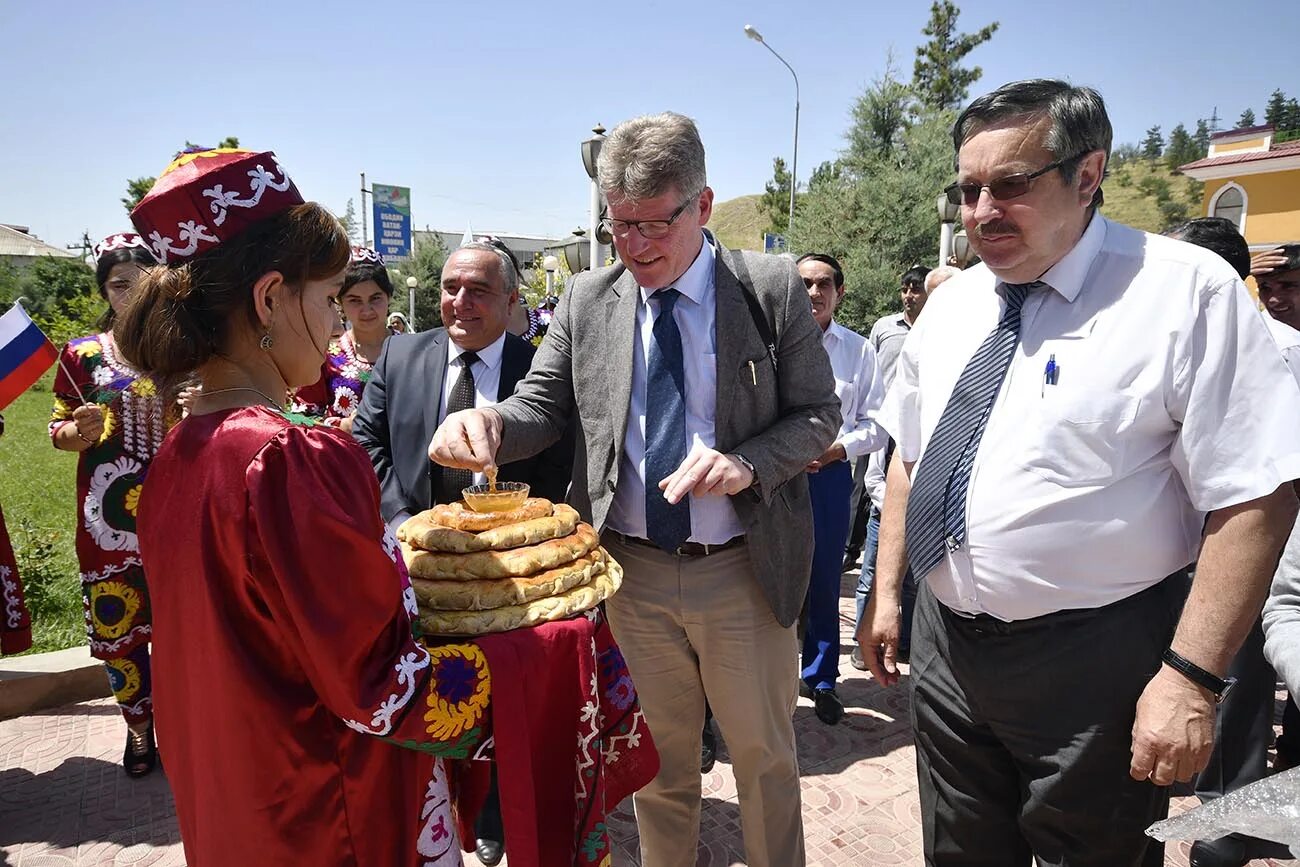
x=1150, y=197
x=38, y=493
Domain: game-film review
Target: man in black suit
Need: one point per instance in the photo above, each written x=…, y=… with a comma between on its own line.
x=420, y=378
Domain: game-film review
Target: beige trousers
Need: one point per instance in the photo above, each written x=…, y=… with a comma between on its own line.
x=697, y=627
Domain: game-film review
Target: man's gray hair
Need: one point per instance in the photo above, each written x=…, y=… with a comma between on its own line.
x=509, y=276
x=647, y=156
x=1080, y=124
x=938, y=275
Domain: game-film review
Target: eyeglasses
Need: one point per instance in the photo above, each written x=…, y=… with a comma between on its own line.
x=651, y=230
x=1004, y=188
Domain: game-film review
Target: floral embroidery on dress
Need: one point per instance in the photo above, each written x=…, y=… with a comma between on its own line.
x=113, y=606
x=404, y=684
x=437, y=844
x=458, y=700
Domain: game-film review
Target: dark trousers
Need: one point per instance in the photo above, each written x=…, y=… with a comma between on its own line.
x=861, y=504
x=1023, y=733
x=829, y=490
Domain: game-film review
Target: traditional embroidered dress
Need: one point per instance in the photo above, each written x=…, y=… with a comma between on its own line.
x=286, y=662
x=15, y=622
x=109, y=478
x=337, y=394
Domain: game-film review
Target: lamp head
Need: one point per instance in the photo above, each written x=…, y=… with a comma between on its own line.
x=752, y=33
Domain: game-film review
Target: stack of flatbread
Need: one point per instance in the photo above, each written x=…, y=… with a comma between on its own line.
x=481, y=572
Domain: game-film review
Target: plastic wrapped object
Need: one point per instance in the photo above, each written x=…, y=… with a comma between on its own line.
x=1268, y=810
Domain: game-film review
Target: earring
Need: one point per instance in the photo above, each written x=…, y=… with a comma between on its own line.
x=267, y=342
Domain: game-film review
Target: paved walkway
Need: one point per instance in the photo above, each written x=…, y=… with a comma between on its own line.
x=64, y=801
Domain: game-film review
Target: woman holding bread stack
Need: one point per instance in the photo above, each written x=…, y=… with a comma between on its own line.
x=283, y=621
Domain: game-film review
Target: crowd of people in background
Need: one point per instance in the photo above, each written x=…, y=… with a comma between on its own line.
x=1067, y=473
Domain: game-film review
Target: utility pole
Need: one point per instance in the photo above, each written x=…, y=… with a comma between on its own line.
x=85, y=246
x=365, y=238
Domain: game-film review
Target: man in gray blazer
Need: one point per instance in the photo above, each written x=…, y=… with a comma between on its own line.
x=694, y=429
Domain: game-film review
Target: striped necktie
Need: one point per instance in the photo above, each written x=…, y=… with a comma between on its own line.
x=936, y=507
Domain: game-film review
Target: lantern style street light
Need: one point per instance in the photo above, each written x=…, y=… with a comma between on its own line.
x=794, y=164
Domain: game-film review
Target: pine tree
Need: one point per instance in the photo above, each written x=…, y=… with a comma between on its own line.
x=938, y=78
x=1181, y=148
x=880, y=115
x=776, y=198
x=1275, y=111
x=1154, y=144
x=1247, y=119
x=1201, y=139
x=349, y=221
x=1291, y=118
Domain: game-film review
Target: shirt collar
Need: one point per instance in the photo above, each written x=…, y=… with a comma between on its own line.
x=696, y=283
x=1067, y=275
x=834, y=332
x=489, y=355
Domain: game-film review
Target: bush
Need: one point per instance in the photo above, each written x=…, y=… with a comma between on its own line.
x=53, y=593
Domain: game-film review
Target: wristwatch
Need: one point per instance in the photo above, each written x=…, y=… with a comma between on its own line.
x=747, y=465
x=1197, y=675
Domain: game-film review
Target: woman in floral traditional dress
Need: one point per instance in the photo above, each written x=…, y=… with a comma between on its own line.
x=285, y=667
x=105, y=411
x=367, y=292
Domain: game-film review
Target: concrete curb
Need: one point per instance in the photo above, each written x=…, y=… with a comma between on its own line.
x=45, y=680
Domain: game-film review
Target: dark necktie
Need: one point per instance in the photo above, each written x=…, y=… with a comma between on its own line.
x=668, y=526
x=452, y=481
x=936, y=507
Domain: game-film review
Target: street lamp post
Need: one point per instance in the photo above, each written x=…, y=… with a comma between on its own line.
x=794, y=164
x=948, y=213
x=590, y=154
x=412, y=283
x=550, y=264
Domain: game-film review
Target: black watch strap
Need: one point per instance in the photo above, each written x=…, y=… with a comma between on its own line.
x=1196, y=674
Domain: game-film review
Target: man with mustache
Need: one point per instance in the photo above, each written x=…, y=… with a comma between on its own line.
x=1061, y=460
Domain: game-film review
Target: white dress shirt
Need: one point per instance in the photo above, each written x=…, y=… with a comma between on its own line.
x=1287, y=340
x=1170, y=401
x=860, y=388
x=713, y=518
x=487, y=379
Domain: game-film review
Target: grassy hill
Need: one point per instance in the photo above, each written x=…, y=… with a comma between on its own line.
x=1150, y=197
x=738, y=223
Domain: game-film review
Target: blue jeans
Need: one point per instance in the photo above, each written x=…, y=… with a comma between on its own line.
x=868, y=577
x=830, y=491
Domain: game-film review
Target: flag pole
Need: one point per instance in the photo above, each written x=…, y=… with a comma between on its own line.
x=18, y=302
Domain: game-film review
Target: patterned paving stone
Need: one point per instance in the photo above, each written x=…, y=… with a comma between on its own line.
x=64, y=801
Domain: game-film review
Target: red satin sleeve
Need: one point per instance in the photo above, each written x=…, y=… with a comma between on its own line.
x=333, y=576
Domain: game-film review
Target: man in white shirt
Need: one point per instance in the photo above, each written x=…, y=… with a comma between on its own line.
x=859, y=387
x=1062, y=457
x=870, y=479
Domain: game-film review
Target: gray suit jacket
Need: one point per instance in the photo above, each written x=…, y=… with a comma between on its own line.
x=779, y=423
x=399, y=413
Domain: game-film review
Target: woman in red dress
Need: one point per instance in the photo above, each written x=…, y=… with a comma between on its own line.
x=115, y=421
x=364, y=301
x=284, y=657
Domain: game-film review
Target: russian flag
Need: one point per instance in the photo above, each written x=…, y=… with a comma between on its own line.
x=25, y=354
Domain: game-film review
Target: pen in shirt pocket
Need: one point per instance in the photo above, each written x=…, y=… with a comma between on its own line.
x=1050, y=373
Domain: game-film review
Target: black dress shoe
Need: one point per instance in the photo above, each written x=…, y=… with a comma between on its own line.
x=708, y=749
x=489, y=852
x=1223, y=852
x=828, y=707
x=851, y=558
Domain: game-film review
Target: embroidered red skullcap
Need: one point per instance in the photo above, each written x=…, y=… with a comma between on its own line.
x=366, y=256
x=207, y=196
x=119, y=241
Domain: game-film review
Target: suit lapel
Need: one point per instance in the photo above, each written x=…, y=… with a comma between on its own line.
x=731, y=326
x=430, y=386
x=620, y=337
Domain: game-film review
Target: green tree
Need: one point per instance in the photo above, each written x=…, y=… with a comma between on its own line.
x=880, y=114
x=350, y=225
x=1291, y=117
x=1247, y=119
x=1153, y=145
x=60, y=294
x=1124, y=153
x=139, y=188
x=776, y=198
x=1275, y=111
x=1201, y=138
x=828, y=172
x=878, y=217
x=938, y=78
x=425, y=265
x=1181, y=148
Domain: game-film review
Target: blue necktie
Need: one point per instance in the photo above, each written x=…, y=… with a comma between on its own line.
x=668, y=526
x=936, y=507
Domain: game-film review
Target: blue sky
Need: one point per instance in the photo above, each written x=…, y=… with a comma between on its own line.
x=480, y=107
